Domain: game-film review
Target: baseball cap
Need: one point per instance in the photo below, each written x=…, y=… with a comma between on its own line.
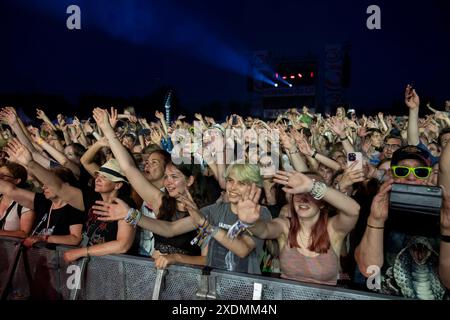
x=412, y=152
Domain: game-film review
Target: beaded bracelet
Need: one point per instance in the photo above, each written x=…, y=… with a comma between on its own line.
x=318, y=190
x=208, y=236
x=133, y=217
x=201, y=233
x=237, y=228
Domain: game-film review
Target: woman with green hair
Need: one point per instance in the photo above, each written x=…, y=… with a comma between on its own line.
x=219, y=229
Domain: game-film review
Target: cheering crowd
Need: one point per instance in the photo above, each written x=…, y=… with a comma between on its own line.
x=305, y=197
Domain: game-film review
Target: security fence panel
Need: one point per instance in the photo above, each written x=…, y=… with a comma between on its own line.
x=42, y=273
x=180, y=283
x=9, y=252
x=234, y=286
x=140, y=275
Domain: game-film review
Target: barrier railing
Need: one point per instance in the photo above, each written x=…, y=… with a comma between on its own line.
x=40, y=273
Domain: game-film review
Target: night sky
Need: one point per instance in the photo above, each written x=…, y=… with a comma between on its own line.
x=200, y=48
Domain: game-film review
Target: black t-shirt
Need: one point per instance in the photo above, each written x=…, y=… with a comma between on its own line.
x=85, y=178
x=60, y=219
x=99, y=231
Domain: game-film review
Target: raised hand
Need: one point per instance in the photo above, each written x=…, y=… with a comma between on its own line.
x=101, y=117
x=35, y=135
x=351, y=176
x=113, y=117
x=411, y=98
x=210, y=120
x=303, y=145
x=248, y=209
x=76, y=122
x=87, y=127
x=198, y=116
x=380, y=204
x=41, y=115
x=7, y=115
x=133, y=119
x=156, y=136
x=285, y=140
x=445, y=212
x=18, y=153
x=294, y=182
x=61, y=122
x=115, y=211
x=337, y=126
x=190, y=205
x=159, y=115
x=11, y=109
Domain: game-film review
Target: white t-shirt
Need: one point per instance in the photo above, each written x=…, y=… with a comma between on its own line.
x=12, y=222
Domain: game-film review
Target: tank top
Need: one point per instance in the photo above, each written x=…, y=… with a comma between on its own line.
x=322, y=269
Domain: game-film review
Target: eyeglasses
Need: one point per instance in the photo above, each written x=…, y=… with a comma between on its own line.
x=419, y=172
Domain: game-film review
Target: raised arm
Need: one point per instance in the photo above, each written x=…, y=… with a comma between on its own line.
x=22, y=196
x=41, y=115
x=345, y=221
x=444, y=181
x=294, y=154
x=9, y=115
x=413, y=102
x=143, y=187
x=18, y=153
x=160, y=116
x=370, y=251
x=87, y=160
x=338, y=127
x=58, y=156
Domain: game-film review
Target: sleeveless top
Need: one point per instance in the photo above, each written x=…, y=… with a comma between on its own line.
x=322, y=269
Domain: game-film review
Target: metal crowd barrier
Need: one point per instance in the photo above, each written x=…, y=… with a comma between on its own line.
x=40, y=273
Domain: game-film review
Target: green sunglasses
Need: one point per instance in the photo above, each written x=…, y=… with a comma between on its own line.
x=419, y=172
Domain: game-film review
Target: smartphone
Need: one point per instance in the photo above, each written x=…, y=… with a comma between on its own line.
x=234, y=120
x=355, y=156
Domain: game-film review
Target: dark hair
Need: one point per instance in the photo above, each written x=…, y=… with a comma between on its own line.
x=149, y=149
x=197, y=190
x=442, y=133
x=131, y=136
x=320, y=239
x=393, y=136
x=66, y=176
x=371, y=131
x=78, y=149
x=165, y=155
x=18, y=172
x=60, y=135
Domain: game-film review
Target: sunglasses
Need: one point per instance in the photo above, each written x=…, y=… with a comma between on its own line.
x=419, y=172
